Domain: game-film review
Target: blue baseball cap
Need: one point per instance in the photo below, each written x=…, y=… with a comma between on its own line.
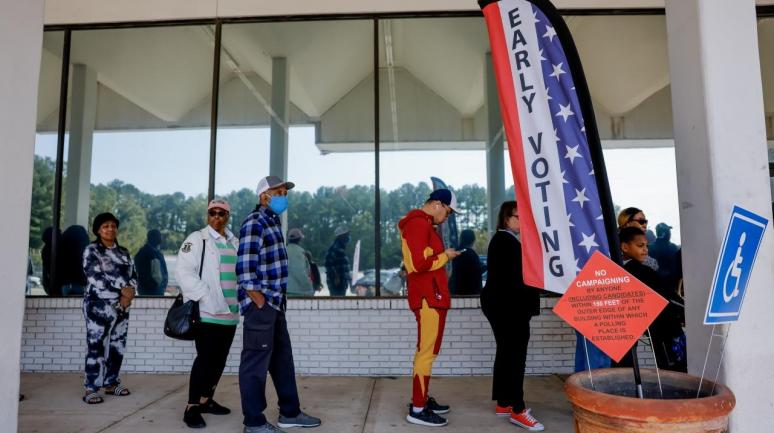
x=446, y=197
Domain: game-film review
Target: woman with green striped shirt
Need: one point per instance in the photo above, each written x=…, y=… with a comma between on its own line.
x=205, y=271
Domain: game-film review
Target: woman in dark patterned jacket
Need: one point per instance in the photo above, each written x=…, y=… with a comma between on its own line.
x=111, y=283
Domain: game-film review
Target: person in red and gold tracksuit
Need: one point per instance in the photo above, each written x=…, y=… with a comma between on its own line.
x=428, y=296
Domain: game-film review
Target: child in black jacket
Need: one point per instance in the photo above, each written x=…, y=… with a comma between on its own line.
x=666, y=331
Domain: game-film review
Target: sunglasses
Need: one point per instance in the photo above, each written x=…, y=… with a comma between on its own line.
x=642, y=221
x=215, y=213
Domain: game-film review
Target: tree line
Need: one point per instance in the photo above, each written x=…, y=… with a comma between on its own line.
x=316, y=213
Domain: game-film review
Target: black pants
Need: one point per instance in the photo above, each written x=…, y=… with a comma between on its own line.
x=627, y=361
x=511, y=332
x=266, y=348
x=212, y=345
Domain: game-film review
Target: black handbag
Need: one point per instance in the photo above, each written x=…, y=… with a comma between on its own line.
x=182, y=317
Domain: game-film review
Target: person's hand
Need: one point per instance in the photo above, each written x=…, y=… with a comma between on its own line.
x=451, y=253
x=128, y=292
x=125, y=302
x=257, y=297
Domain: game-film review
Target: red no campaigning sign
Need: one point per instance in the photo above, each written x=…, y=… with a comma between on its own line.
x=609, y=306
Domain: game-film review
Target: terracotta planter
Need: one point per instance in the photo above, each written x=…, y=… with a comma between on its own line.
x=613, y=407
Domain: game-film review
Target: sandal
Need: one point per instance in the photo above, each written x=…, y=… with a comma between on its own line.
x=93, y=398
x=118, y=390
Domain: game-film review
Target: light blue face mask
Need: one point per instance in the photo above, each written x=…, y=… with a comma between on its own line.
x=278, y=204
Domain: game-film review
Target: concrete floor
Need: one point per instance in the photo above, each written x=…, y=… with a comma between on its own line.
x=345, y=404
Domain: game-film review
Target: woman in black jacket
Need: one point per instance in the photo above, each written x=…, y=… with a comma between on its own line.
x=509, y=305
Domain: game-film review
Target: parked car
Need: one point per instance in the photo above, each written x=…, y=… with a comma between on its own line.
x=391, y=283
x=33, y=282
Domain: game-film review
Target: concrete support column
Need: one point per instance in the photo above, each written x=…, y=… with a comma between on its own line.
x=720, y=146
x=21, y=39
x=280, y=104
x=83, y=115
x=495, y=157
x=617, y=124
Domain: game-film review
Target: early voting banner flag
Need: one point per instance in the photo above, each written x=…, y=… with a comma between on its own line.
x=552, y=140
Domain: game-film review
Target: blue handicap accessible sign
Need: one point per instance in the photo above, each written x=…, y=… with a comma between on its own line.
x=735, y=263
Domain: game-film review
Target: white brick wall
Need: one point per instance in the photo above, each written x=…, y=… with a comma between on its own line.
x=365, y=337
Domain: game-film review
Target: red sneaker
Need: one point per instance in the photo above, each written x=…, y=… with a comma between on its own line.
x=502, y=411
x=525, y=420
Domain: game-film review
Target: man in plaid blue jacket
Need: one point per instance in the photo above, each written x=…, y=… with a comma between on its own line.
x=262, y=275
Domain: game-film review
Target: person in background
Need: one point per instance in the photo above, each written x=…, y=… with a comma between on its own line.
x=666, y=332
x=111, y=282
x=75, y=239
x=151, y=266
x=49, y=285
x=428, y=296
x=262, y=275
x=634, y=217
x=30, y=273
x=466, y=269
x=206, y=273
x=509, y=304
x=665, y=252
x=651, y=236
x=299, y=268
x=337, y=268
x=314, y=272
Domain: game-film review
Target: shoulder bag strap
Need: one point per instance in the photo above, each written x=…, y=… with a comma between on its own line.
x=201, y=265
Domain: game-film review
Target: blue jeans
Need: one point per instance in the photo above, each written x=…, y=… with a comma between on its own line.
x=266, y=348
x=597, y=358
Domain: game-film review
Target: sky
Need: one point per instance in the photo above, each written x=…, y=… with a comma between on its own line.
x=162, y=162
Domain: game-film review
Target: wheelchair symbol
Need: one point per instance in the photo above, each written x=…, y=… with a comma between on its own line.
x=734, y=272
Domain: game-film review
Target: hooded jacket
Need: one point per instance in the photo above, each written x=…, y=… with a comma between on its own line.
x=424, y=258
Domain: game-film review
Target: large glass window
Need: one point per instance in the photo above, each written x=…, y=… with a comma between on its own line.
x=244, y=117
x=138, y=122
x=296, y=101
x=432, y=111
x=44, y=171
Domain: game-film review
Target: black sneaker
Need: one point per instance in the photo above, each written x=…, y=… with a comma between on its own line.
x=433, y=405
x=193, y=417
x=426, y=418
x=214, y=408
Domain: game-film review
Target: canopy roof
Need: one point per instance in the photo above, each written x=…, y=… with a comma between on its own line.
x=432, y=84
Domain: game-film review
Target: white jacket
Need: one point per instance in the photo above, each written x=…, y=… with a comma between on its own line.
x=206, y=289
